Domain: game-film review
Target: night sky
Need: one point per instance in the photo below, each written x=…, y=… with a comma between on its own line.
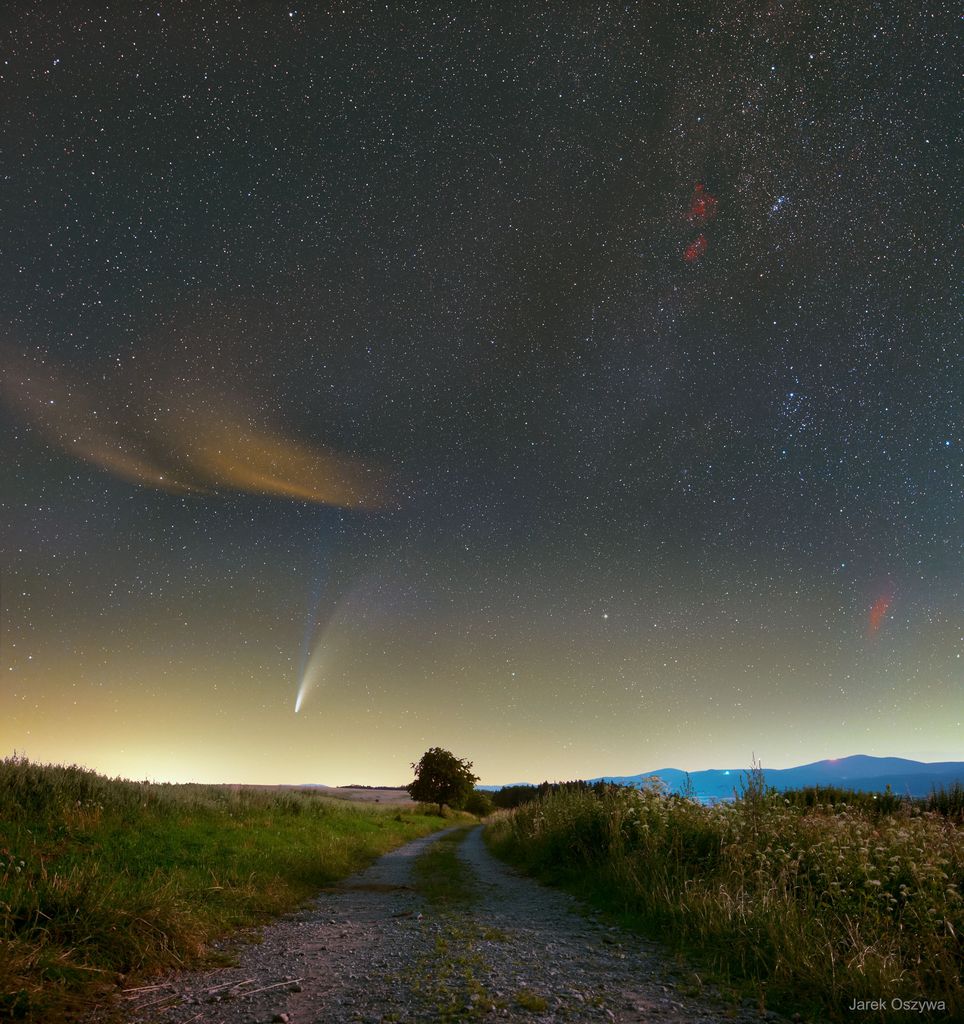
x=577, y=387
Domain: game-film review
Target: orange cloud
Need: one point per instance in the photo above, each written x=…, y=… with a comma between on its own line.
x=231, y=454
x=183, y=446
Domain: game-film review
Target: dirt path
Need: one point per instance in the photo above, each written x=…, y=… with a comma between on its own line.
x=371, y=951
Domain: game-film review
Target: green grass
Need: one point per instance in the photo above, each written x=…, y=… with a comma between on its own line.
x=103, y=881
x=531, y=1001
x=448, y=980
x=451, y=980
x=441, y=877
x=804, y=907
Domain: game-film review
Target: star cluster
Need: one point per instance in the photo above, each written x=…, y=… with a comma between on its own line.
x=576, y=388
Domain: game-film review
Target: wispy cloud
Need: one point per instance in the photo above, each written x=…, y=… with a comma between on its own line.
x=188, y=441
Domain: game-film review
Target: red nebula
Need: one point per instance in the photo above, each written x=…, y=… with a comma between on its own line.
x=695, y=249
x=878, y=612
x=702, y=205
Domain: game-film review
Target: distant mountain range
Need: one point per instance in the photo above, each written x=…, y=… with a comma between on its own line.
x=860, y=771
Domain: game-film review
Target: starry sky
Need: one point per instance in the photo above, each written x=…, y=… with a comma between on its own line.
x=577, y=387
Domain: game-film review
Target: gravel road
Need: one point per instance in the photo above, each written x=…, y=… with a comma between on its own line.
x=371, y=950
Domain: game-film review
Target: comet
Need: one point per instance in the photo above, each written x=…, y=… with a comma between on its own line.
x=338, y=566
x=310, y=675
x=303, y=687
x=315, y=624
x=311, y=650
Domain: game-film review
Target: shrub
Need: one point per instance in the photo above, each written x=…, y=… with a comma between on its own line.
x=479, y=803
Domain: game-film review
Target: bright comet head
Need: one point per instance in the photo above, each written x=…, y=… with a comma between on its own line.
x=310, y=674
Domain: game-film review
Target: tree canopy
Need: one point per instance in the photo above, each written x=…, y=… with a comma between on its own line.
x=442, y=778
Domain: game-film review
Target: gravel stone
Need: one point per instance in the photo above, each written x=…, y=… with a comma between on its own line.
x=371, y=951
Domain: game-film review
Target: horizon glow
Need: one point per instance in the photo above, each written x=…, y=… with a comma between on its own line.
x=602, y=421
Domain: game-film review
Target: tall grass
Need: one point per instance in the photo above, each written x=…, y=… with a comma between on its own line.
x=809, y=906
x=105, y=879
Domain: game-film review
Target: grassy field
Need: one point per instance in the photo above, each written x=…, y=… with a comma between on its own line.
x=103, y=881
x=806, y=907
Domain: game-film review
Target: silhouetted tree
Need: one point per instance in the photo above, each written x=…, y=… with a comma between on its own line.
x=442, y=778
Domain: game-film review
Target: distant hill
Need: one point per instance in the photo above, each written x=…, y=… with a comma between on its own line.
x=860, y=772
